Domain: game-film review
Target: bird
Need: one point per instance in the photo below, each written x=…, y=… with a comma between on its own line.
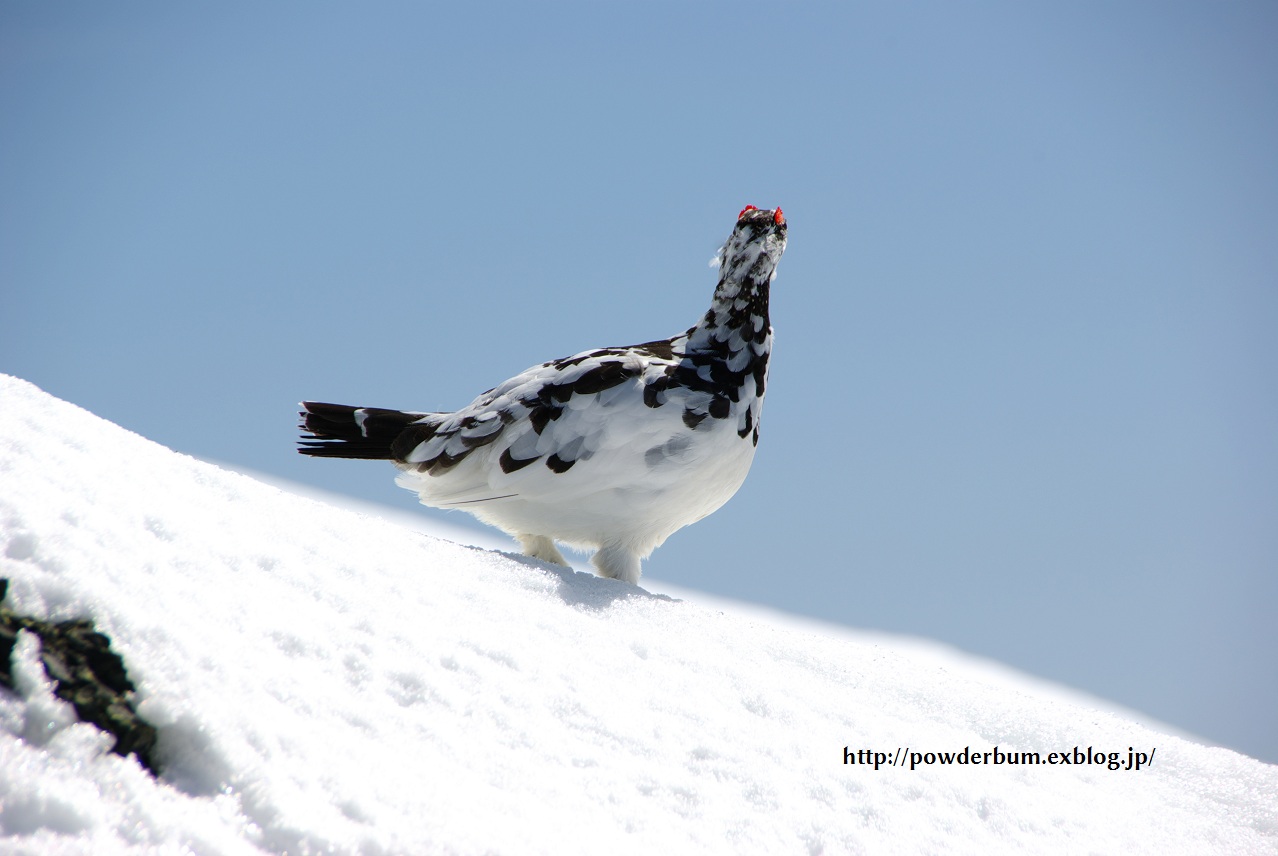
x=611, y=449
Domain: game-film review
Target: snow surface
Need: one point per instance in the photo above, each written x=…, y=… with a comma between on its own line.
x=325, y=680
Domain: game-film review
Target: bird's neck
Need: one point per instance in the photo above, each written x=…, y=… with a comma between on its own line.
x=737, y=318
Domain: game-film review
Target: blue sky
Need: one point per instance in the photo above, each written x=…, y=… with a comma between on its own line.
x=1023, y=396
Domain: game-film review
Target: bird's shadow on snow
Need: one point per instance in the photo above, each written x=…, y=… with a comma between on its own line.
x=588, y=591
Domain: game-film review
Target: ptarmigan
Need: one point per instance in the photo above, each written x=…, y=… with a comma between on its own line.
x=615, y=448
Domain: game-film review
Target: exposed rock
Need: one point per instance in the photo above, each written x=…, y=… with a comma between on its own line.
x=87, y=674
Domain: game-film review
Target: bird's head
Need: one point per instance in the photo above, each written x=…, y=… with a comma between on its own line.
x=755, y=246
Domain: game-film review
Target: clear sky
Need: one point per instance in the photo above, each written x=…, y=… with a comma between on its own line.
x=1024, y=394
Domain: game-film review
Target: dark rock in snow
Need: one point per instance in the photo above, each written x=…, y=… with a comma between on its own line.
x=87, y=674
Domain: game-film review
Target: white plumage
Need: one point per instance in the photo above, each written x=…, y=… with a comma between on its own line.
x=612, y=449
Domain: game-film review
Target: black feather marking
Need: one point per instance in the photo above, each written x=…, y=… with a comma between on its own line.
x=441, y=463
x=509, y=463
x=476, y=432
x=484, y=440
x=569, y=362
x=653, y=392
x=542, y=415
x=692, y=420
x=687, y=377
x=724, y=376
x=662, y=350
x=601, y=377
x=556, y=393
x=749, y=424
x=719, y=408
x=558, y=464
x=410, y=438
x=760, y=376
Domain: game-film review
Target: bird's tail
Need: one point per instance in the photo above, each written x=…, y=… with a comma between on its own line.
x=340, y=431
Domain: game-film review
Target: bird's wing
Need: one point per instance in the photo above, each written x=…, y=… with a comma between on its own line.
x=522, y=434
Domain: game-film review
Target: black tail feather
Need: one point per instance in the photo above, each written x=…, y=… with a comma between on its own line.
x=340, y=431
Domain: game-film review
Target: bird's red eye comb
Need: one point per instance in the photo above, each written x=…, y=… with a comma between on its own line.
x=777, y=216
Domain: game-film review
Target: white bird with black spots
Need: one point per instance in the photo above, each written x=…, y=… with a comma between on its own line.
x=613, y=449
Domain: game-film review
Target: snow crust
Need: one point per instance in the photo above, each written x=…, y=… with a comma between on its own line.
x=329, y=681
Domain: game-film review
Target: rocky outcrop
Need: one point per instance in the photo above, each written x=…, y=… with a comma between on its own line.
x=87, y=674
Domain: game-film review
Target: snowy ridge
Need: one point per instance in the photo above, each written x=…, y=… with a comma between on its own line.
x=325, y=680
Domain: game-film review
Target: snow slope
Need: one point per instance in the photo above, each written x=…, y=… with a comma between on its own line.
x=329, y=681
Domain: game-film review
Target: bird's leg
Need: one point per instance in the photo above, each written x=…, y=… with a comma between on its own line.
x=541, y=547
x=617, y=562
